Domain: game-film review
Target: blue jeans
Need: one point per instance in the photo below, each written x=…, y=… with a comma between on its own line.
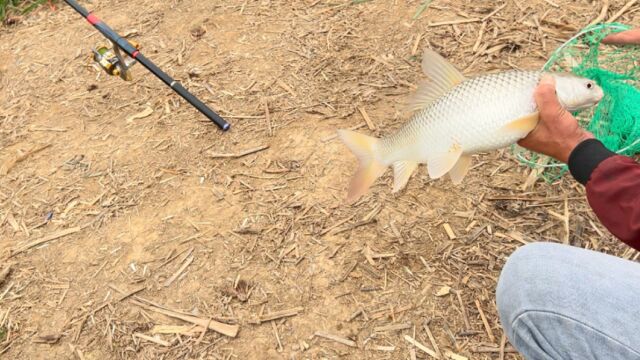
x=561, y=302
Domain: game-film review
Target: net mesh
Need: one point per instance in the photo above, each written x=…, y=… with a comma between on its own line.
x=616, y=119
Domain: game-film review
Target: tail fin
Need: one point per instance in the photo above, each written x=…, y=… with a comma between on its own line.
x=369, y=168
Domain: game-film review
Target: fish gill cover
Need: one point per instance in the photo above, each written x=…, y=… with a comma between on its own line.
x=616, y=119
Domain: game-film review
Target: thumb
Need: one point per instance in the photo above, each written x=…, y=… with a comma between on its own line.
x=545, y=95
x=625, y=37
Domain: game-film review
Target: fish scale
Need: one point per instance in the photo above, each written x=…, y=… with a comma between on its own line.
x=457, y=117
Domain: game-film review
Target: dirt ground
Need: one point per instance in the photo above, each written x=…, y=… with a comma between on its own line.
x=120, y=204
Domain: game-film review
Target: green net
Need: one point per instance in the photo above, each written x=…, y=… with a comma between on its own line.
x=616, y=119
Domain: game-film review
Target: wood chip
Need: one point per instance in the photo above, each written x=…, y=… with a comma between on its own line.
x=449, y=231
x=367, y=119
x=443, y=291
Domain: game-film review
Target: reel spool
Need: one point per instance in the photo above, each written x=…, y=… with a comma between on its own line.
x=113, y=61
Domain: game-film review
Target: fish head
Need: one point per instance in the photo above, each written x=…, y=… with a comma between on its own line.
x=577, y=93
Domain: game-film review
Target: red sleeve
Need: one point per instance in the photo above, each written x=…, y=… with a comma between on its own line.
x=614, y=194
x=613, y=188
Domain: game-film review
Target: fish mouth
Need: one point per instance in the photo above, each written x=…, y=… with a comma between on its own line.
x=582, y=106
x=585, y=105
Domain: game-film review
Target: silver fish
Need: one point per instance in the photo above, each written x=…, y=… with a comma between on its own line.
x=457, y=117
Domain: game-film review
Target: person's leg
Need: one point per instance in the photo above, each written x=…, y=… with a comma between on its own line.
x=561, y=302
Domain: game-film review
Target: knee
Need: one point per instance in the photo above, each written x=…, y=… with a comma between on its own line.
x=526, y=278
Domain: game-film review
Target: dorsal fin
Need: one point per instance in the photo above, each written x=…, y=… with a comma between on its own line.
x=443, y=76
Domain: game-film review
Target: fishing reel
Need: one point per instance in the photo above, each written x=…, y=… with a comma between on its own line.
x=114, y=61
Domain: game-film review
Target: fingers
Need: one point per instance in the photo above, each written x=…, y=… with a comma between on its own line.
x=623, y=38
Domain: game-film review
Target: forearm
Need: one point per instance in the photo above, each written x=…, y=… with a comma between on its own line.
x=613, y=188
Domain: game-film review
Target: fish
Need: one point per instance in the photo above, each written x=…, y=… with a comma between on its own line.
x=456, y=117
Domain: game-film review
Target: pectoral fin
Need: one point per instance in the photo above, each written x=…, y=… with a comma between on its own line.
x=440, y=164
x=523, y=126
x=461, y=169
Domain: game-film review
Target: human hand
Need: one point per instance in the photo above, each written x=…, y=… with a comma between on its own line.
x=557, y=132
x=628, y=37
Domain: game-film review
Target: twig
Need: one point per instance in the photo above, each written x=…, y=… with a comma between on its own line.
x=567, y=231
x=327, y=230
x=129, y=294
x=622, y=11
x=603, y=13
x=9, y=164
x=393, y=327
x=335, y=338
x=485, y=322
x=225, y=329
x=494, y=12
x=278, y=315
x=204, y=331
x=431, y=338
x=453, y=356
x=152, y=339
x=492, y=349
x=45, y=240
x=182, y=268
x=415, y=343
x=464, y=310
x=454, y=22
x=4, y=273
x=275, y=330
x=240, y=154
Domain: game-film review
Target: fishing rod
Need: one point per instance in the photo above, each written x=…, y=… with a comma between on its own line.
x=117, y=64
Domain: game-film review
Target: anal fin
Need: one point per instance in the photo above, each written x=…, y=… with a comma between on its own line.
x=440, y=164
x=402, y=171
x=461, y=169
